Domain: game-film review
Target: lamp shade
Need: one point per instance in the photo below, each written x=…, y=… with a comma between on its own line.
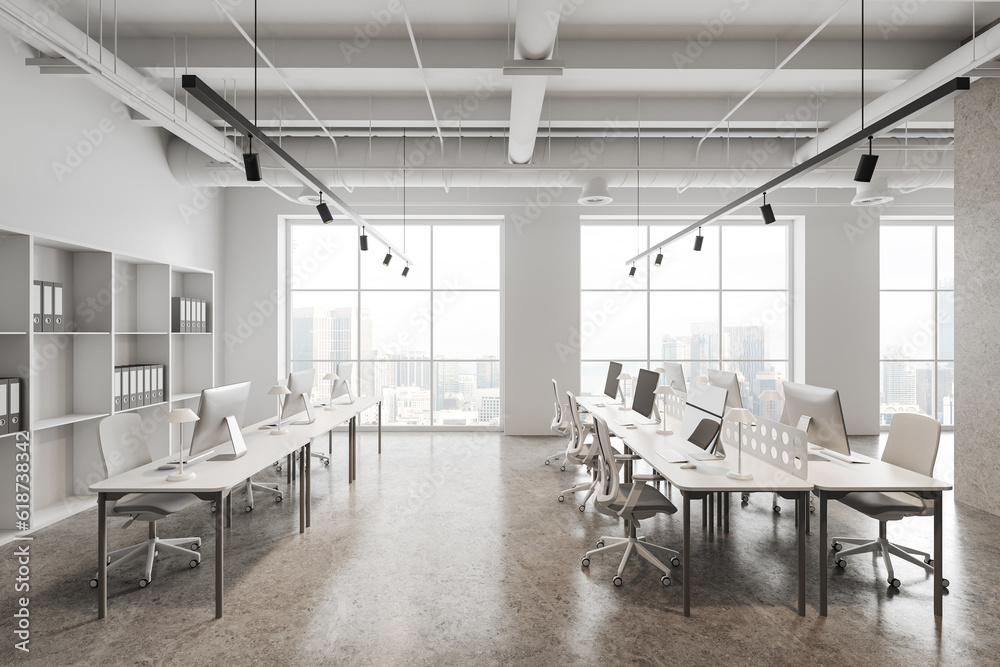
x=624, y=376
x=181, y=416
x=740, y=415
x=665, y=389
x=701, y=379
x=771, y=395
x=331, y=376
x=278, y=390
x=661, y=369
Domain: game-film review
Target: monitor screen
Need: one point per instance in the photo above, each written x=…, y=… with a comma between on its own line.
x=727, y=380
x=299, y=383
x=340, y=386
x=822, y=406
x=611, y=384
x=216, y=404
x=645, y=392
x=703, y=417
x=673, y=377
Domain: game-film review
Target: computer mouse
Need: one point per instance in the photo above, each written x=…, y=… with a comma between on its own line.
x=631, y=426
x=688, y=466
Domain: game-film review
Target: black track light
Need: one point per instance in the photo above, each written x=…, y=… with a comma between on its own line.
x=388, y=258
x=698, y=240
x=251, y=164
x=324, y=211
x=866, y=166
x=659, y=258
x=766, y=212
x=363, y=240
x=631, y=273
x=406, y=270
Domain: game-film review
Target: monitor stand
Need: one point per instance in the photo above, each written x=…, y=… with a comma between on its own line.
x=310, y=417
x=239, y=445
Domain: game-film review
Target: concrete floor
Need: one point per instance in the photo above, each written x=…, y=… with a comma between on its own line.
x=451, y=549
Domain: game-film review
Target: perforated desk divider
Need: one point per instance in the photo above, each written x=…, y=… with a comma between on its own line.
x=675, y=406
x=780, y=445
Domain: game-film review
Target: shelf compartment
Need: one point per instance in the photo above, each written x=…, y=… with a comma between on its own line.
x=87, y=279
x=142, y=298
x=70, y=375
x=15, y=272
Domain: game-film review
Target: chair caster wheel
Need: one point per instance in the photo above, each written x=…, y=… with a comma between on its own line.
x=945, y=583
x=561, y=498
x=812, y=509
x=326, y=462
x=583, y=508
x=894, y=582
x=665, y=580
x=585, y=562
x=249, y=508
x=600, y=543
x=562, y=467
x=617, y=581
x=929, y=560
x=196, y=546
x=841, y=563
x=94, y=583
x=675, y=561
x=745, y=497
x=194, y=562
x=546, y=462
x=213, y=509
x=277, y=469
x=777, y=509
x=143, y=583
x=278, y=498
x=836, y=546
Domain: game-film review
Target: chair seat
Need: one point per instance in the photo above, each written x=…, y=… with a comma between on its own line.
x=651, y=501
x=887, y=505
x=154, y=503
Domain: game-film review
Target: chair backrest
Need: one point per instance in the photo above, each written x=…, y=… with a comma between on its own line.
x=122, y=443
x=576, y=448
x=913, y=442
x=559, y=411
x=607, y=469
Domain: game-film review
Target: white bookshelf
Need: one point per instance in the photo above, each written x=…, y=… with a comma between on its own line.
x=117, y=312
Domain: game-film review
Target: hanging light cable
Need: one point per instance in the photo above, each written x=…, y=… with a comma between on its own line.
x=638, y=229
x=251, y=160
x=406, y=269
x=866, y=165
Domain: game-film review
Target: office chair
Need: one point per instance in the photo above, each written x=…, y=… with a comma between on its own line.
x=121, y=451
x=632, y=502
x=560, y=424
x=912, y=444
x=582, y=450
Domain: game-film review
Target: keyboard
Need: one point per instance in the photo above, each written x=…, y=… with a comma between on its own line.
x=670, y=456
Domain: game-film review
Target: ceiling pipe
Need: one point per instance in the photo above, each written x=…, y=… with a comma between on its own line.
x=973, y=54
x=534, y=40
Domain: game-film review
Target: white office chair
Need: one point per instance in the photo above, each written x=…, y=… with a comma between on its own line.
x=912, y=444
x=560, y=423
x=122, y=450
x=582, y=450
x=632, y=502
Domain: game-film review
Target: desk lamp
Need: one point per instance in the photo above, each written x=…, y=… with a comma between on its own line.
x=624, y=378
x=741, y=416
x=181, y=416
x=771, y=395
x=332, y=377
x=663, y=391
x=278, y=391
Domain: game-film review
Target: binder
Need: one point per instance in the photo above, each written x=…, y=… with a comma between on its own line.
x=14, y=398
x=117, y=388
x=4, y=408
x=141, y=384
x=147, y=384
x=199, y=305
x=204, y=316
x=187, y=315
x=159, y=384
x=46, y=306
x=36, y=305
x=57, y=307
x=175, y=314
x=133, y=387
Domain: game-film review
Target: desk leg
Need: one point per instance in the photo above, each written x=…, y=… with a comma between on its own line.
x=289, y=462
x=306, y=489
x=228, y=505
x=380, y=427
x=302, y=486
x=219, y=546
x=102, y=555
x=801, y=508
x=704, y=512
x=686, y=554
x=718, y=518
x=725, y=523
x=938, y=553
x=711, y=510
x=329, y=439
x=354, y=448
x=350, y=454
x=823, y=546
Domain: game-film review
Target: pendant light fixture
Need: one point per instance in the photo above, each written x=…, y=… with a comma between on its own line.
x=363, y=239
x=866, y=165
x=638, y=229
x=324, y=210
x=659, y=258
x=766, y=212
x=698, y=240
x=388, y=258
x=251, y=160
x=406, y=269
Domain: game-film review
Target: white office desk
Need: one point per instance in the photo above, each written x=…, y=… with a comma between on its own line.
x=710, y=477
x=215, y=480
x=835, y=479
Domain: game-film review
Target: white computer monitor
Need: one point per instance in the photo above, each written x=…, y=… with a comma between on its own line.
x=300, y=386
x=342, y=387
x=826, y=426
x=727, y=380
x=220, y=417
x=702, y=420
x=673, y=377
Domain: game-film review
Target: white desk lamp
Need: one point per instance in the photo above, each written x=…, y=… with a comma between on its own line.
x=624, y=378
x=771, y=395
x=663, y=391
x=702, y=379
x=278, y=391
x=181, y=416
x=741, y=416
x=332, y=377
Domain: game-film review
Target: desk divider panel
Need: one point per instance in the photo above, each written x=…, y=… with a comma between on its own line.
x=783, y=446
x=675, y=406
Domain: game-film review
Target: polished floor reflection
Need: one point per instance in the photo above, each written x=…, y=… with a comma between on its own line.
x=451, y=549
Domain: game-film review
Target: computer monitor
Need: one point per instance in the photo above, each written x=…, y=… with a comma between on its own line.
x=300, y=386
x=644, y=397
x=220, y=418
x=673, y=377
x=342, y=386
x=826, y=417
x=727, y=380
x=703, y=419
x=611, y=384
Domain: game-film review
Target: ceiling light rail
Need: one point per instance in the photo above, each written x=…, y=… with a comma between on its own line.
x=942, y=93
